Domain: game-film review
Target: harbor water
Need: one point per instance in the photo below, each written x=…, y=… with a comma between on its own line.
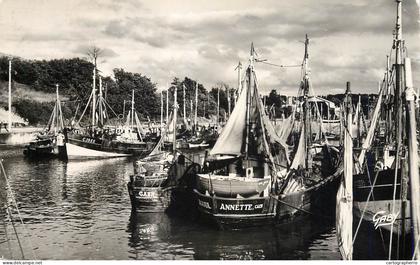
x=81, y=210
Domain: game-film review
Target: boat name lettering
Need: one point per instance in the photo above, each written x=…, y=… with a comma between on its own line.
x=380, y=219
x=204, y=204
x=88, y=140
x=147, y=194
x=240, y=207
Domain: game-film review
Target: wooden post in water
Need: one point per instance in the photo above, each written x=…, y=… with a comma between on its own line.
x=412, y=157
x=9, y=124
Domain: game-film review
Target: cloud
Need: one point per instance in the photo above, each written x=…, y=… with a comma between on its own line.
x=205, y=39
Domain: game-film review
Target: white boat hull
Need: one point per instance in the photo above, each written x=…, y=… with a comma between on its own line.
x=78, y=152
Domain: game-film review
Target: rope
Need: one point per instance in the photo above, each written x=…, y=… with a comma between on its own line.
x=417, y=245
x=17, y=208
x=301, y=209
x=83, y=113
x=279, y=65
x=394, y=194
x=7, y=238
x=364, y=209
x=16, y=233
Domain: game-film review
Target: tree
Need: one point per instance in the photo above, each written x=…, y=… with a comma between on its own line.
x=145, y=97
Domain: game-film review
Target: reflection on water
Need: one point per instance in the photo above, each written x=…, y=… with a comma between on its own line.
x=81, y=210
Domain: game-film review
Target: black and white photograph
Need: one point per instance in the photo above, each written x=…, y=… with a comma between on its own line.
x=209, y=130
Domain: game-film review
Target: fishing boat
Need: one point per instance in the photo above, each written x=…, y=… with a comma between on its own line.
x=382, y=202
x=103, y=141
x=163, y=179
x=49, y=142
x=249, y=180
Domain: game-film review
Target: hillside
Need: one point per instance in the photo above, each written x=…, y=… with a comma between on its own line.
x=21, y=91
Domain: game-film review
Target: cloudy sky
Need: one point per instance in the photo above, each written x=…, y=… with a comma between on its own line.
x=204, y=40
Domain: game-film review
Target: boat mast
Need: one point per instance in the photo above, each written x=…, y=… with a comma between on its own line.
x=412, y=156
x=248, y=101
x=94, y=96
x=344, y=204
x=388, y=117
x=399, y=163
x=100, y=102
x=196, y=104
x=161, y=111
x=208, y=104
x=228, y=98
x=398, y=73
x=167, y=104
x=218, y=105
x=132, y=109
x=306, y=125
x=191, y=110
x=9, y=125
x=56, y=109
x=175, y=116
x=239, y=67
x=184, y=111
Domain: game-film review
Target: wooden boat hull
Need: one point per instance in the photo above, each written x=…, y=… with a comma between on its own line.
x=373, y=243
x=318, y=200
x=75, y=151
x=84, y=147
x=377, y=219
x=231, y=187
x=165, y=188
x=149, y=199
x=42, y=147
x=40, y=152
x=237, y=213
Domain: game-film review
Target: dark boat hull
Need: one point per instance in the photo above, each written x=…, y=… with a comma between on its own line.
x=40, y=152
x=86, y=147
x=377, y=218
x=236, y=213
x=42, y=147
x=172, y=193
x=373, y=243
x=149, y=199
x=233, y=213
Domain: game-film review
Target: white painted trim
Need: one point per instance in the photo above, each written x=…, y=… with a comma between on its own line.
x=78, y=152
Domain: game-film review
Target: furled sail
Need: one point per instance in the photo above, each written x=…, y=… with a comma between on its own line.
x=231, y=138
x=287, y=127
x=299, y=158
x=138, y=124
x=170, y=129
x=358, y=119
x=371, y=132
x=277, y=147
